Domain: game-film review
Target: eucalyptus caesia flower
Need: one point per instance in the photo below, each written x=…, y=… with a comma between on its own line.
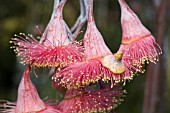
x=138, y=44
x=54, y=47
x=88, y=100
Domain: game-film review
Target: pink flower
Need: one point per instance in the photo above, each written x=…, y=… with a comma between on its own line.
x=99, y=63
x=83, y=73
x=54, y=47
x=138, y=44
x=28, y=99
x=87, y=100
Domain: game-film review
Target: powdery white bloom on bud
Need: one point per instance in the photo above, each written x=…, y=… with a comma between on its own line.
x=94, y=45
x=138, y=44
x=54, y=48
x=55, y=33
x=87, y=100
x=28, y=100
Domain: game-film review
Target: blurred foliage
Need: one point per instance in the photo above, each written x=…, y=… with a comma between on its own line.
x=23, y=15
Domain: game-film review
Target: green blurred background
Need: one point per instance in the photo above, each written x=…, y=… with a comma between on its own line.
x=24, y=15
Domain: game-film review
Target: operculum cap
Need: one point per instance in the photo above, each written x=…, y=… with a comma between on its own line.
x=114, y=63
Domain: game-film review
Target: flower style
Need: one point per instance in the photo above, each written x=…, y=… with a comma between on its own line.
x=54, y=48
x=138, y=44
x=28, y=100
x=87, y=100
x=99, y=63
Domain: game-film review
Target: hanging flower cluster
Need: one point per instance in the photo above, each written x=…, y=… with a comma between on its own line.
x=78, y=66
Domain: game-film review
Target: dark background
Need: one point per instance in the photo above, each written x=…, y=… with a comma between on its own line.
x=24, y=15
